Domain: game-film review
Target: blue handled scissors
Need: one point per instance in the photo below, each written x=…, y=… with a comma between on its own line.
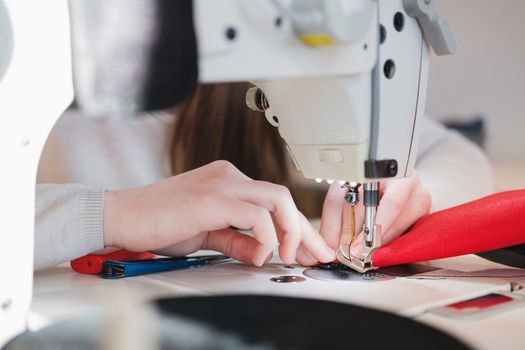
x=114, y=269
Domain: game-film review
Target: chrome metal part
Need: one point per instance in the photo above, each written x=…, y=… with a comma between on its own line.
x=371, y=232
x=344, y=274
x=352, y=195
x=371, y=191
x=288, y=279
x=359, y=264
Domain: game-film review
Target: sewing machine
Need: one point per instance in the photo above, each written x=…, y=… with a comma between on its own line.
x=344, y=82
x=365, y=62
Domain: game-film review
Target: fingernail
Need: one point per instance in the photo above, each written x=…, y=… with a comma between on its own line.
x=329, y=255
x=287, y=255
x=261, y=262
x=288, y=260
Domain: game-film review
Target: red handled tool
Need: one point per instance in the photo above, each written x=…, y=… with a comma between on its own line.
x=93, y=263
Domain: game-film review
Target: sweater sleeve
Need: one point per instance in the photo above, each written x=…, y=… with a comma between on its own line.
x=451, y=168
x=68, y=223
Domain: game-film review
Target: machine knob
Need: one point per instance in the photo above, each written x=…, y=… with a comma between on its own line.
x=256, y=100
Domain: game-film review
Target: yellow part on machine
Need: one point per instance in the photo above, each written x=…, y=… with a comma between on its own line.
x=320, y=39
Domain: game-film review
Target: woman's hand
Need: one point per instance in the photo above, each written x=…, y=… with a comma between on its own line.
x=402, y=203
x=198, y=210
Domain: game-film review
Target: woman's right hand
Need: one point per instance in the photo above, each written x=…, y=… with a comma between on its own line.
x=198, y=210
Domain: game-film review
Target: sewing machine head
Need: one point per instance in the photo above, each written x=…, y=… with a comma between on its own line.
x=344, y=81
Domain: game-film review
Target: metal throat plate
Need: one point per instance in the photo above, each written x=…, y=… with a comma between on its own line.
x=337, y=271
x=341, y=272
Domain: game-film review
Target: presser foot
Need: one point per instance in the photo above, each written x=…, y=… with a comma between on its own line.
x=364, y=263
x=354, y=263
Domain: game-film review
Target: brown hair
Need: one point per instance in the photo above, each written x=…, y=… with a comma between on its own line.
x=216, y=124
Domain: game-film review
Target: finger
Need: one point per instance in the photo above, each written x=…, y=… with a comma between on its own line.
x=245, y=215
x=417, y=206
x=357, y=246
x=332, y=216
x=223, y=168
x=233, y=244
x=347, y=237
x=278, y=200
x=314, y=242
x=303, y=257
x=312, y=249
x=183, y=248
x=393, y=202
x=288, y=244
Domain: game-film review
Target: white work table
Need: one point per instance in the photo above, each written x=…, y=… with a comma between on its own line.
x=60, y=293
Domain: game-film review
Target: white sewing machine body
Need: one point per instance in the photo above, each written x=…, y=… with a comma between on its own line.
x=34, y=91
x=322, y=98
x=335, y=105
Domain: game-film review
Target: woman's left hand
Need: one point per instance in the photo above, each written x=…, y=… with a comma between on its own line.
x=402, y=203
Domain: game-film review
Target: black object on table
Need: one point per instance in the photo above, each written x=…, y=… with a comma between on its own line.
x=252, y=322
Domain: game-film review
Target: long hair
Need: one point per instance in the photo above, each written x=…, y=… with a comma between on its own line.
x=216, y=124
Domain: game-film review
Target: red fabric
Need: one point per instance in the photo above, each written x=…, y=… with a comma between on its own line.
x=488, y=223
x=92, y=264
